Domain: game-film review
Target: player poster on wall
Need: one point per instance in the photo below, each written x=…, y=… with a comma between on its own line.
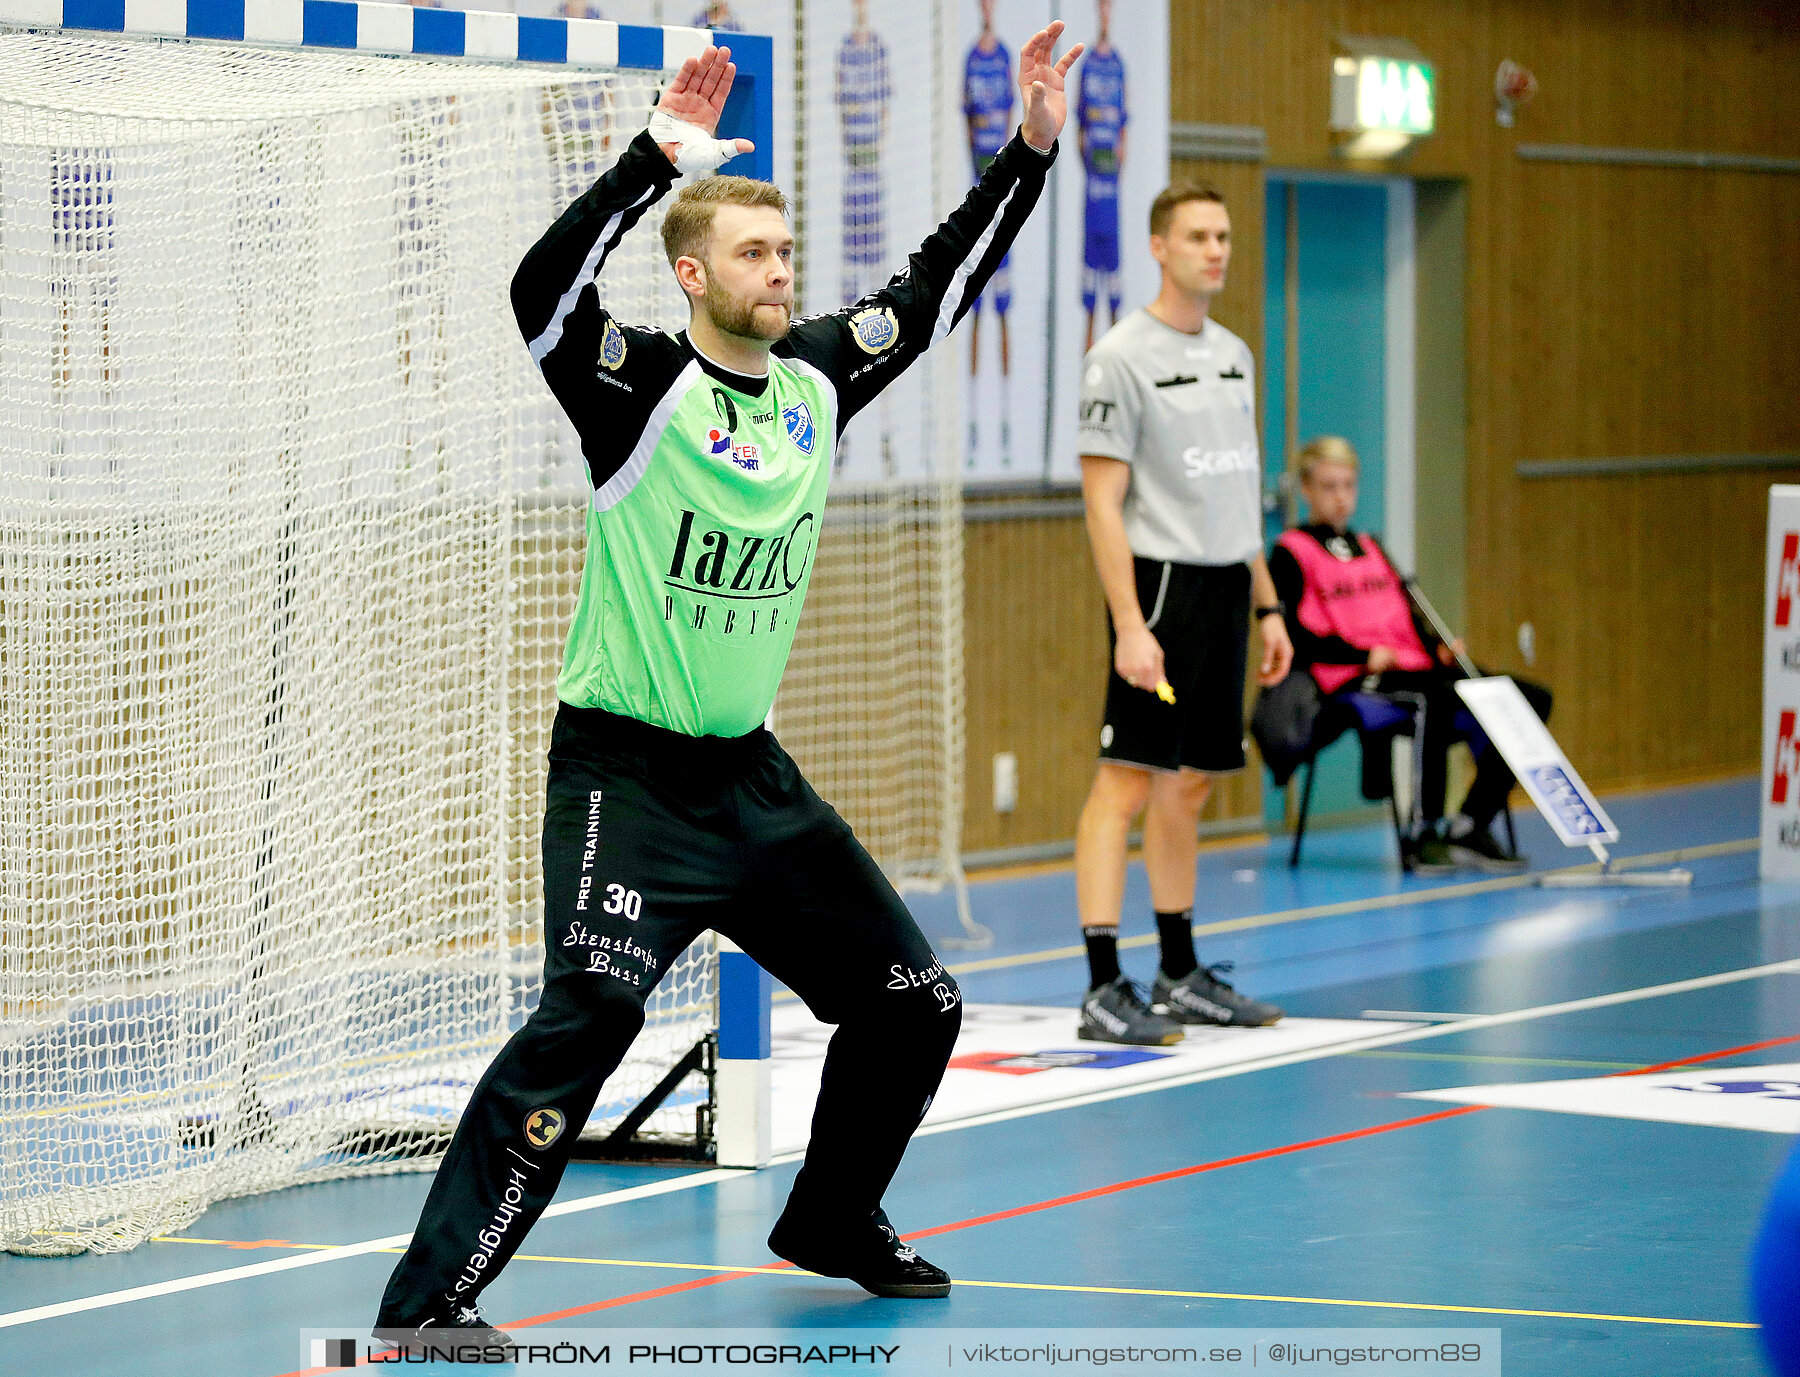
x=869, y=96
x=1119, y=116
x=1007, y=330
x=1074, y=271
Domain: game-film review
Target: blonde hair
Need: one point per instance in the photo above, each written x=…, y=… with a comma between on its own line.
x=1325, y=449
x=688, y=225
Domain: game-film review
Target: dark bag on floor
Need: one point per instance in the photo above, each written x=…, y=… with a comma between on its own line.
x=1282, y=722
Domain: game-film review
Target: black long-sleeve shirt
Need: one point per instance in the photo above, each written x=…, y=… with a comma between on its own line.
x=859, y=349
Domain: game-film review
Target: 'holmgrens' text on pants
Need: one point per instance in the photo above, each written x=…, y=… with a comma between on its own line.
x=651, y=837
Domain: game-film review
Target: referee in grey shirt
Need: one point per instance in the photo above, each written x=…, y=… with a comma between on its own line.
x=1172, y=482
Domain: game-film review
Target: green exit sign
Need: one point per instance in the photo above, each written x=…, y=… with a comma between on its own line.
x=1383, y=95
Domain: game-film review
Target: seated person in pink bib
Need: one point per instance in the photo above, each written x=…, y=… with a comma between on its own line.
x=1354, y=628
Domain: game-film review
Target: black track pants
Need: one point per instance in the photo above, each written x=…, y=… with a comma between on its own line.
x=651, y=837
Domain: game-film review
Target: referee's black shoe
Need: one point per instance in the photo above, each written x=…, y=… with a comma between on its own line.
x=1203, y=996
x=463, y=1331
x=877, y=1261
x=1118, y=1012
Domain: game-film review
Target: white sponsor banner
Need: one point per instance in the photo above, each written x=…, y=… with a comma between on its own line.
x=1781, y=689
x=1525, y=743
x=1765, y=1099
x=1009, y=1056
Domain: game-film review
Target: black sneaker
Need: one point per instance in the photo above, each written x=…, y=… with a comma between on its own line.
x=1118, y=1013
x=1481, y=849
x=464, y=1330
x=1202, y=997
x=879, y=1263
x=1426, y=855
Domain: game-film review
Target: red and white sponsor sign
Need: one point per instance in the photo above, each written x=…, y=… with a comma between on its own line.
x=1787, y=577
x=1781, y=689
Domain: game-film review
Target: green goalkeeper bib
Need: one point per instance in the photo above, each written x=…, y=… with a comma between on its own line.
x=700, y=550
x=709, y=486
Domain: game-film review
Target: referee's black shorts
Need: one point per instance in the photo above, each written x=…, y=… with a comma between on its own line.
x=1200, y=615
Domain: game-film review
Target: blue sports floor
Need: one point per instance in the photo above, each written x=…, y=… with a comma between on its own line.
x=1304, y=1194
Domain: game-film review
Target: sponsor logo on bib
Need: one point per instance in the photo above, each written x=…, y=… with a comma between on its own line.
x=723, y=405
x=718, y=441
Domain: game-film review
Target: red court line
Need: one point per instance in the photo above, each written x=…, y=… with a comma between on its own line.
x=1100, y=1191
x=1704, y=1056
x=1030, y=1209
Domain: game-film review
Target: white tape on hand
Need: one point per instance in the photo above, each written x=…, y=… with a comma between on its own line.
x=700, y=154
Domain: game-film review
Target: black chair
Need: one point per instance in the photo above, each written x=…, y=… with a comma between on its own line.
x=1382, y=715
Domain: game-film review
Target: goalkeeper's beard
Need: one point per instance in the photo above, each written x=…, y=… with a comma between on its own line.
x=737, y=316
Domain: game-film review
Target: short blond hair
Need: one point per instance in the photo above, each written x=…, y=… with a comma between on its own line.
x=1325, y=449
x=688, y=225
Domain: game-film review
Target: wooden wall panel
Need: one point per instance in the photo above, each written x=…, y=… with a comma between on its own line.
x=1036, y=661
x=1634, y=311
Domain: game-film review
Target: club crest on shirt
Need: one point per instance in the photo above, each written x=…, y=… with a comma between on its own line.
x=799, y=422
x=612, y=346
x=875, y=329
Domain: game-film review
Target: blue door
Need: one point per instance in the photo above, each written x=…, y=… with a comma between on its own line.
x=1340, y=295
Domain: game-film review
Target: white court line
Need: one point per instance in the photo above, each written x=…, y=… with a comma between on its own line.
x=707, y=1178
x=1373, y=1040
x=373, y=1245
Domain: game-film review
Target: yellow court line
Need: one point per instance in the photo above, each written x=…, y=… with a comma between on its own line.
x=721, y=1269
x=1366, y=1304
x=789, y=1271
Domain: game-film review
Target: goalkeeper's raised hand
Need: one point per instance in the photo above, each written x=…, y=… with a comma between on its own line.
x=687, y=117
x=1041, y=85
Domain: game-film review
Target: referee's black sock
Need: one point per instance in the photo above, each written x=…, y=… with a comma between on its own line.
x=1177, y=933
x=1103, y=955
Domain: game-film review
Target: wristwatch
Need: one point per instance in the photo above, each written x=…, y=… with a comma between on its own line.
x=1274, y=609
